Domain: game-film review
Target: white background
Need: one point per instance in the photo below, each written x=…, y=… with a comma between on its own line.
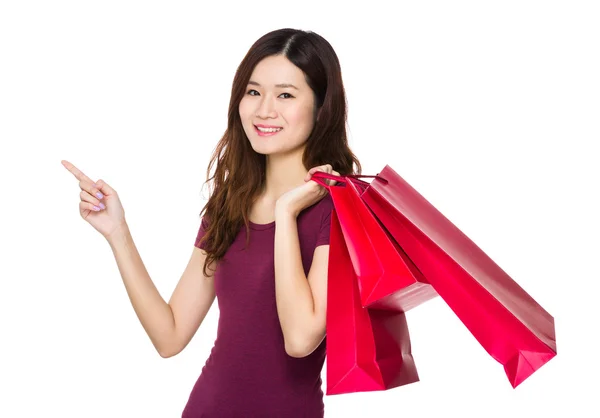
x=489, y=109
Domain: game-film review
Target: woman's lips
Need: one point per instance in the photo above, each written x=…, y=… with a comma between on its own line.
x=261, y=133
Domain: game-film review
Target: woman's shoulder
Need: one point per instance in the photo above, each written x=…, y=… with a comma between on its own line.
x=323, y=209
x=318, y=212
x=326, y=204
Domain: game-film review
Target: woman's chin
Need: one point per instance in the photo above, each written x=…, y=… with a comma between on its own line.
x=261, y=148
x=266, y=147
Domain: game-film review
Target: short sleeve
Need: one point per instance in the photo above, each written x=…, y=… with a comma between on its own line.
x=323, y=238
x=201, y=233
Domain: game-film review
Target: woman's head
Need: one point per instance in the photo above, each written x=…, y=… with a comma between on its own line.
x=312, y=115
x=316, y=115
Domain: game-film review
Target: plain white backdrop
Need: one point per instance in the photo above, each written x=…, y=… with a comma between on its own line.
x=489, y=109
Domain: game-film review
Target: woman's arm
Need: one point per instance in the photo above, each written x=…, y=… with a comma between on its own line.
x=170, y=326
x=301, y=301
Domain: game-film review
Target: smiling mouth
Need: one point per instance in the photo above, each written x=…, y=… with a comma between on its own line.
x=266, y=131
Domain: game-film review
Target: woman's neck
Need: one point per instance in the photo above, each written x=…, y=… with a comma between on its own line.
x=284, y=173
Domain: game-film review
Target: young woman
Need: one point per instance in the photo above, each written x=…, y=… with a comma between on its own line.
x=262, y=246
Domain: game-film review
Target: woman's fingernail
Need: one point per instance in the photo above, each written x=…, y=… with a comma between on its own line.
x=102, y=205
x=96, y=208
x=99, y=195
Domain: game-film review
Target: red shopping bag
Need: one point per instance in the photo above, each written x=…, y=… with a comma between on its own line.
x=367, y=350
x=510, y=325
x=387, y=278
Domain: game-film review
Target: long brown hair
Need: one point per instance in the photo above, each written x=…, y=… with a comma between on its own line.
x=240, y=171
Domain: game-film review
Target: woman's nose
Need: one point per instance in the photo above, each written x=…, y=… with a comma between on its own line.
x=266, y=109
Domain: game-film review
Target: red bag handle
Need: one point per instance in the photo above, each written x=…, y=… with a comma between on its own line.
x=320, y=175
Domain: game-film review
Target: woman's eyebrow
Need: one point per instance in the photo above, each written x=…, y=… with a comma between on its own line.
x=282, y=85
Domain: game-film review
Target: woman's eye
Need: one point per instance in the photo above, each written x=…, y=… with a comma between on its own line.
x=252, y=93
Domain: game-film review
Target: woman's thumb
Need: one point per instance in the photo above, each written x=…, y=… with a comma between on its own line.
x=105, y=188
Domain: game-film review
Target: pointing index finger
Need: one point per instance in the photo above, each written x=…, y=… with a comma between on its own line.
x=75, y=171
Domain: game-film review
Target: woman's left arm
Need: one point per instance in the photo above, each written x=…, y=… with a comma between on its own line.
x=301, y=301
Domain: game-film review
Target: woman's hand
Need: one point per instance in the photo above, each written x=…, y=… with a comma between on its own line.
x=299, y=198
x=110, y=214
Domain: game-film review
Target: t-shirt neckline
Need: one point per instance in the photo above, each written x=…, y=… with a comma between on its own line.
x=261, y=227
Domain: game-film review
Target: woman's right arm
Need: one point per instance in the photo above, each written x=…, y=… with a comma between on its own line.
x=172, y=325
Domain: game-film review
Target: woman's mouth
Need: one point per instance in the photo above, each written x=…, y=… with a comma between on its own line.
x=266, y=131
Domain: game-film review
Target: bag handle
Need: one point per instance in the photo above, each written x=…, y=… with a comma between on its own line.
x=319, y=176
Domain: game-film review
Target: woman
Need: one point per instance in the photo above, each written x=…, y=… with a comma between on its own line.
x=262, y=247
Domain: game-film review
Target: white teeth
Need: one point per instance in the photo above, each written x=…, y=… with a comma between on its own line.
x=269, y=129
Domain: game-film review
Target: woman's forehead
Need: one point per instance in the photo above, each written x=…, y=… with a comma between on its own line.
x=277, y=72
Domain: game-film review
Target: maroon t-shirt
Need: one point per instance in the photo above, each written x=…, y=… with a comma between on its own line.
x=248, y=373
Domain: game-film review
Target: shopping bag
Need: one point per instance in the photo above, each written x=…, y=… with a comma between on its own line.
x=509, y=324
x=387, y=278
x=367, y=350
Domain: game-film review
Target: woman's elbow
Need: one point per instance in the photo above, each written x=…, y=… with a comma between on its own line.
x=296, y=351
x=299, y=348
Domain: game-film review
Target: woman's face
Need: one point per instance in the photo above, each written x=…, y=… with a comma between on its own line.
x=277, y=110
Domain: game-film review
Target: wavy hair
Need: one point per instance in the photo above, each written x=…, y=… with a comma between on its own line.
x=239, y=174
